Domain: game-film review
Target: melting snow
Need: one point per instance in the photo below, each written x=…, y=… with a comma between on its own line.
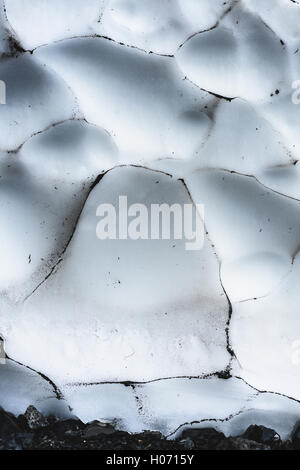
x=163, y=102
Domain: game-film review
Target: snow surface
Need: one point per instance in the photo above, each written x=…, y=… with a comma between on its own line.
x=21, y=387
x=156, y=284
x=165, y=102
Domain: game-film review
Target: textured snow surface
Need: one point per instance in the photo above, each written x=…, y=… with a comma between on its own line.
x=157, y=285
x=161, y=101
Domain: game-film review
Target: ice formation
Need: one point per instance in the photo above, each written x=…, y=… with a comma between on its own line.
x=161, y=101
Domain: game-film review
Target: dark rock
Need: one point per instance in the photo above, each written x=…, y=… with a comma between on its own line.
x=239, y=443
x=187, y=443
x=225, y=374
x=67, y=427
x=34, y=418
x=262, y=434
x=22, y=422
x=96, y=428
x=9, y=444
x=8, y=424
x=25, y=440
x=296, y=438
x=34, y=431
x=203, y=438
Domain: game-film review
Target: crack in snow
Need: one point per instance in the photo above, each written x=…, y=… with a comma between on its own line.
x=107, y=38
x=210, y=420
x=228, y=345
x=220, y=97
x=228, y=10
x=233, y=172
x=92, y=186
x=16, y=150
x=269, y=28
x=267, y=391
x=132, y=383
x=59, y=395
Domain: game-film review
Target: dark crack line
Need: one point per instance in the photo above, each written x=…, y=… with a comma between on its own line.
x=52, y=271
x=228, y=345
x=55, y=124
x=16, y=150
x=92, y=186
x=221, y=97
x=257, y=15
x=107, y=38
x=60, y=259
x=272, y=30
x=233, y=172
x=294, y=255
x=216, y=95
x=56, y=390
x=132, y=383
x=209, y=420
x=267, y=391
x=59, y=395
x=227, y=329
x=284, y=277
x=228, y=10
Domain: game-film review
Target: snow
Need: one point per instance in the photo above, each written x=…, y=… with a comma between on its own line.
x=259, y=145
x=46, y=198
x=56, y=20
x=283, y=115
x=172, y=405
x=266, y=409
x=3, y=30
x=163, y=102
x=129, y=93
x=35, y=99
x=111, y=403
x=71, y=151
x=160, y=26
x=156, y=284
x=265, y=336
x=21, y=387
x=255, y=256
x=229, y=60
x=281, y=16
x=283, y=179
x=190, y=400
x=274, y=219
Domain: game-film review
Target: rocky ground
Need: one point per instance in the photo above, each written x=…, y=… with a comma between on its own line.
x=34, y=431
